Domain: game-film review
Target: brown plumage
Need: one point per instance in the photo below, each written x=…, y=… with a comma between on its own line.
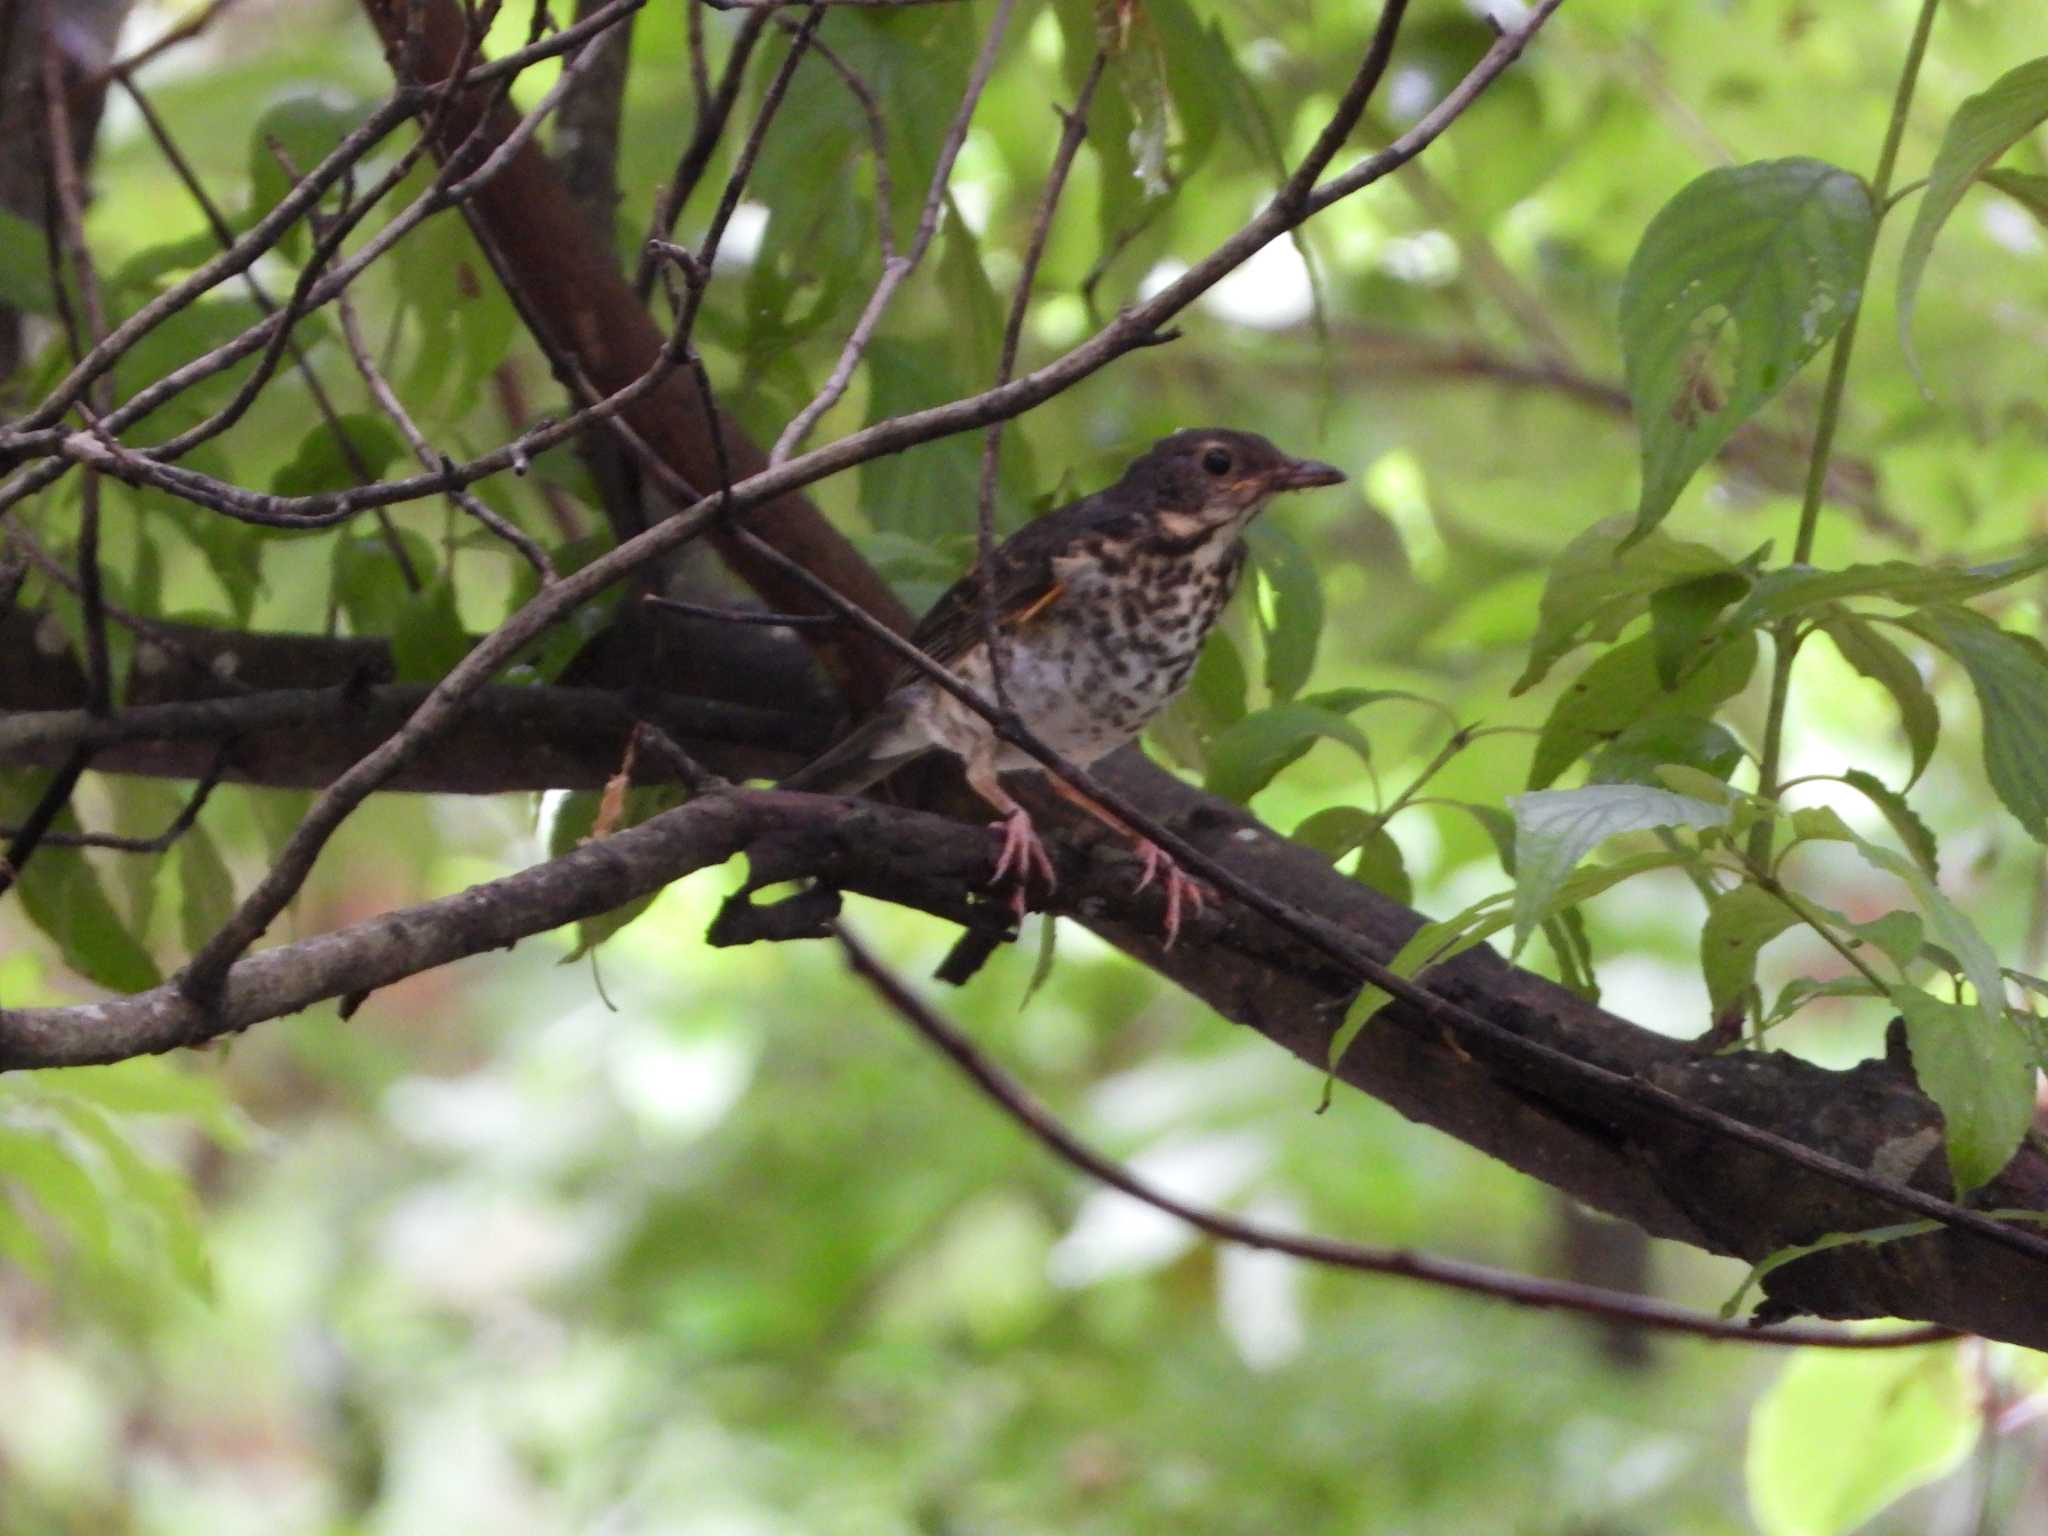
x=1102, y=607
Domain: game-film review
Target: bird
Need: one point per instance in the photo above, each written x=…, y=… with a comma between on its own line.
x=1101, y=607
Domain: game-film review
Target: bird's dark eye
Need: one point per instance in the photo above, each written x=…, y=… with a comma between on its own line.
x=1217, y=461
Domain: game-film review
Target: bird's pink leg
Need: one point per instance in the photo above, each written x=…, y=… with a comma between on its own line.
x=1180, y=889
x=1023, y=852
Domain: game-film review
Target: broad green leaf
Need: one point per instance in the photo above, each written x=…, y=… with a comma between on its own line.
x=1382, y=866
x=141, y=1186
x=2010, y=674
x=1599, y=582
x=1219, y=687
x=429, y=639
x=42, y=1167
x=306, y=125
x=1904, y=821
x=323, y=463
x=1801, y=990
x=1897, y=935
x=1556, y=828
x=1290, y=608
x=1742, y=278
x=1684, y=741
x=1984, y=127
x=931, y=491
x=2029, y=191
x=1739, y=924
x=1978, y=1065
x=1620, y=690
x=1797, y=589
x=1682, y=620
x=366, y=583
x=1948, y=928
x=1871, y=654
x=206, y=890
x=1843, y=1433
x=1335, y=830
x=1244, y=759
x=60, y=890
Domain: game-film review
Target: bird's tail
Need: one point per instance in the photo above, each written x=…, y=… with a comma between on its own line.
x=872, y=751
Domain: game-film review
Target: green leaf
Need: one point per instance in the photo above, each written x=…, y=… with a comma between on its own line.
x=1797, y=589
x=1245, y=758
x=1843, y=1433
x=572, y=826
x=2010, y=674
x=1682, y=619
x=1600, y=581
x=306, y=125
x=1742, y=278
x=1897, y=935
x=1978, y=1065
x=1739, y=924
x=1556, y=828
x=322, y=463
x=429, y=639
x=61, y=892
x=1904, y=821
x=41, y=1167
x=206, y=889
x=1291, y=610
x=25, y=267
x=1382, y=866
x=1219, y=686
x=1621, y=689
x=365, y=581
x=142, y=1187
x=1340, y=830
x=2029, y=191
x=1949, y=929
x=1871, y=654
x=1984, y=127
x=1683, y=741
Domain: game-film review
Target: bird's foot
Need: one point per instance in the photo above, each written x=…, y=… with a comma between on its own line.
x=1023, y=856
x=1182, y=891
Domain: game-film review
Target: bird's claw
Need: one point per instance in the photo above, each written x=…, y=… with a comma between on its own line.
x=1182, y=891
x=1023, y=855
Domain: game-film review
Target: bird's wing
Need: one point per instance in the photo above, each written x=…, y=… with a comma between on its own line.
x=1028, y=579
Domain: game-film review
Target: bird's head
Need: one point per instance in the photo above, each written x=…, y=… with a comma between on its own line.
x=1208, y=479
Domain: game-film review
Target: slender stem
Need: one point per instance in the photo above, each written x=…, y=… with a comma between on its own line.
x=1786, y=636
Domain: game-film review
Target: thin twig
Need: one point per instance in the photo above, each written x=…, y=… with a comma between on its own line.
x=191, y=27
x=1015, y=1101
x=1073, y=130
x=897, y=268
x=741, y=615
x=177, y=827
x=388, y=402
x=712, y=116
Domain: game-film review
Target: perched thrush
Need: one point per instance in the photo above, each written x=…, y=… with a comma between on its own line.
x=1102, y=607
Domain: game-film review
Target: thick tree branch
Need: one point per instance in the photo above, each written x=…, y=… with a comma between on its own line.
x=1605, y=1145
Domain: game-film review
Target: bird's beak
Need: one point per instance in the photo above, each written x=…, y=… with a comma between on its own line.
x=1306, y=474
